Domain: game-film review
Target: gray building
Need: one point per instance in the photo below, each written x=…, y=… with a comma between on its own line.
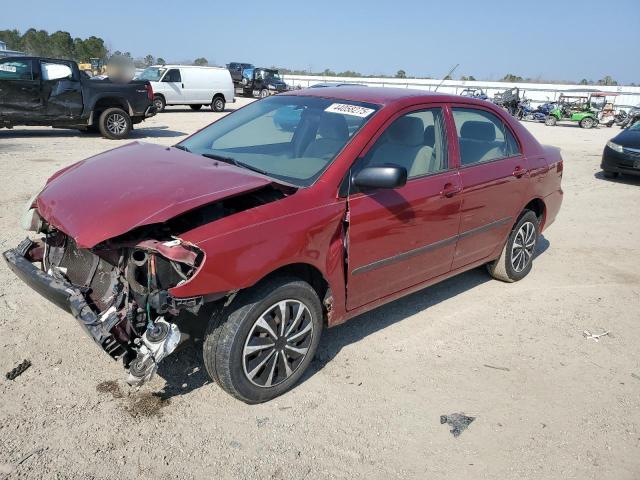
x=4, y=52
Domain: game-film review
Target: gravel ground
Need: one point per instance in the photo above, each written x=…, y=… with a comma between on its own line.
x=548, y=403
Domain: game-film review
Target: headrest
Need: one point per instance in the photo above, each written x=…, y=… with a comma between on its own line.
x=333, y=126
x=430, y=136
x=478, y=130
x=407, y=131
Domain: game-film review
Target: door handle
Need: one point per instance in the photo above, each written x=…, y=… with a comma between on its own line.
x=519, y=172
x=183, y=85
x=450, y=190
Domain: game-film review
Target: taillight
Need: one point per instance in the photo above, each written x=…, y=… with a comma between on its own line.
x=149, y=91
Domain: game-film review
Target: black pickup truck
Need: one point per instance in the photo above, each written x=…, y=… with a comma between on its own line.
x=50, y=92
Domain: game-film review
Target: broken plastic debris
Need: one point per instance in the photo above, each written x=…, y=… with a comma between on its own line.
x=458, y=421
x=594, y=336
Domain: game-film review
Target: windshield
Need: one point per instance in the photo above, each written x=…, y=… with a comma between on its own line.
x=153, y=74
x=291, y=138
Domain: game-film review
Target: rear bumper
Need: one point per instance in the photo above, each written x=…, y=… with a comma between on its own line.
x=150, y=111
x=65, y=295
x=552, y=202
x=613, y=161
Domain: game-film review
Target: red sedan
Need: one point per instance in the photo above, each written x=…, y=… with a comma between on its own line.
x=292, y=214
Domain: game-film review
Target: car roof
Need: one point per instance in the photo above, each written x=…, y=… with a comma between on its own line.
x=382, y=95
x=176, y=65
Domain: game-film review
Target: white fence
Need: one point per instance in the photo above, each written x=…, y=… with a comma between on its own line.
x=536, y=92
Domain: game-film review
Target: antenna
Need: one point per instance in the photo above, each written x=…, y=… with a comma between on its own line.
x=447, y=75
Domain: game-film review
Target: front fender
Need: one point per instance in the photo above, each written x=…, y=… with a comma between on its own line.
x=238, y=257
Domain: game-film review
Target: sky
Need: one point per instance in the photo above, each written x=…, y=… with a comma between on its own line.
x=552, y=40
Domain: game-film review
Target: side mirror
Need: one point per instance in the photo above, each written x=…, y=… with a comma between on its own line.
x=390, y=176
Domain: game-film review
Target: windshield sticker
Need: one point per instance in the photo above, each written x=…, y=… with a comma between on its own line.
x=353, y=110
x=8, y=68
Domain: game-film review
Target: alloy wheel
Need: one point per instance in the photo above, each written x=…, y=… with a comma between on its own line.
x=116, y=124
x=277, y=343
x=523, y=246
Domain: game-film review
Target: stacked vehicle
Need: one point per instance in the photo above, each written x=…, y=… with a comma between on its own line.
x=257, y=82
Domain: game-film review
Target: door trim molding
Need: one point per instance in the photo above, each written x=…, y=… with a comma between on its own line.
x=429, y=247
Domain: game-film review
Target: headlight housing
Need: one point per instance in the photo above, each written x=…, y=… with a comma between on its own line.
x=31, y=219
x=615, y=147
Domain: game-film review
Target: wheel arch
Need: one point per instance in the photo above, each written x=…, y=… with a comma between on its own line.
x=538, y=207
x=104, y=102
x=307, y=272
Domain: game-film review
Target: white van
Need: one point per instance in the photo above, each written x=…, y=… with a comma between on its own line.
x=190, y=85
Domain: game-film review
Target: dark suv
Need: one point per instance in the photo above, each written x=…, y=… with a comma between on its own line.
x=51, y=92
x=235, y=69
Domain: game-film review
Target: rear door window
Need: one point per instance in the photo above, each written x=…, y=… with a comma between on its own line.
x=16, y=70
x=482, y=136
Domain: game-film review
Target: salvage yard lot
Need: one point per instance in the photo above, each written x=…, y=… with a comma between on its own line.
x=549, y=403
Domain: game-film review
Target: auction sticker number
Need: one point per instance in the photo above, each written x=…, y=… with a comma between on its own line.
x=8, y=68
x=346, y=109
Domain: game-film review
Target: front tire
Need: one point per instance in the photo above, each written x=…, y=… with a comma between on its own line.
x=114, y=124
x=609, y=175
x=516, y=258
x=217, y=105
x=550, y=121
x=259, y=346
x=159, y=103
x=264, y=93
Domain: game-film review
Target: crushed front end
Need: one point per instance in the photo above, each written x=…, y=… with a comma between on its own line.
x=118, y=291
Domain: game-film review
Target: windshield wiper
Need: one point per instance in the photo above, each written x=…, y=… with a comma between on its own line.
x=235, y=162
x=182, y=147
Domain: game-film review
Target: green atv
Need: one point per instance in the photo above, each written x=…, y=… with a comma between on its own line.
x=573, y=108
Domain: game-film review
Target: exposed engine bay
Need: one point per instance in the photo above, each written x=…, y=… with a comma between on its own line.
x=126, y=287
x=119, y=289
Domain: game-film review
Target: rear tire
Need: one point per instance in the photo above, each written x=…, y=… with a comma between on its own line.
x=516, y=258
x=550, y=121
x=218, y=104
x=195, y=107
x=254, y=319
x=114, y=124
x=160, y=103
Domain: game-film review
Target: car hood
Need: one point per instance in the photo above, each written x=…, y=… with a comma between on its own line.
x=628, y=138
x=138, y=184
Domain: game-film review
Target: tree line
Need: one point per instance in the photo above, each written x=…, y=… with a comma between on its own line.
x=61, y=44
x=56, y=45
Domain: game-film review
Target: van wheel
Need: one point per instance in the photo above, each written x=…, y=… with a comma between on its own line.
x=516, y=258
x=159, y=102
x=195, y=107
x=260, y=345
x=217, y=105
x=114, y=123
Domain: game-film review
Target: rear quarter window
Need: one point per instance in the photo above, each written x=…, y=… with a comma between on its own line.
x=16, y=70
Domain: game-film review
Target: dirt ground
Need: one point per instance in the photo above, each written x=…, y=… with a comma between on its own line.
x=548, y=403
